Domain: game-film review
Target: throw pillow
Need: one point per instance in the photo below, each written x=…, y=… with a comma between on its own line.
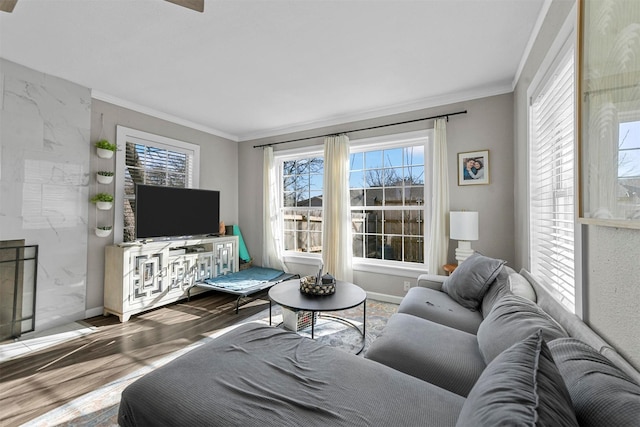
x=520, y=387
x=512, y=319
x=601, y=393
x=469, y=282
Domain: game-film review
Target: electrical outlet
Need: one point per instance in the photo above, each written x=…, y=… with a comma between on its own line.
x=407, y=285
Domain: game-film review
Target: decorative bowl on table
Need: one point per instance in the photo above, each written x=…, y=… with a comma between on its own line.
x=311, y=286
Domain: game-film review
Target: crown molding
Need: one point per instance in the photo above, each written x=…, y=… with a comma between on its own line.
x=431, y=102
x=101, y=96
x=532, y=39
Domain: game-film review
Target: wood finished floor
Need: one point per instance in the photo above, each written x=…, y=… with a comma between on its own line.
x=38, y=382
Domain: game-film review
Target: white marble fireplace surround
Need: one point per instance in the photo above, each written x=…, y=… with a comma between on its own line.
x=44, y=183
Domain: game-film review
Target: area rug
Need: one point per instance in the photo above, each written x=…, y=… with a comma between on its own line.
x=100, y=407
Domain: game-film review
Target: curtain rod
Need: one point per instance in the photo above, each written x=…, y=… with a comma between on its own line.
x=362, y=129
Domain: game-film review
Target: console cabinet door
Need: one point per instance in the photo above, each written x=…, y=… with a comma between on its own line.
x=224, y=253
x=205, y=267
x=182, y=272
x=150, y=275
x=147, y=277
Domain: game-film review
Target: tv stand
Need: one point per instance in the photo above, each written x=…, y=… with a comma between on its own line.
x=148, y=275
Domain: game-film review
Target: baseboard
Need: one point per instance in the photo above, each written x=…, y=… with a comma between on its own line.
x=384, y=297
x=93, y=312
x=99, y=311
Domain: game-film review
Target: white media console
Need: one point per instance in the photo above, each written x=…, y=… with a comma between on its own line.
x=142, y=276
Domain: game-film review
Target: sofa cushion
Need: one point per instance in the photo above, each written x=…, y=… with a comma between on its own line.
x=507, y=281
x=469, y=282
x=522, y=386
x=512, y=319
x=497, y=290
x=521, y=286
x=601, y=393
x=257, y=375
x=440, y=308
x=438, y=354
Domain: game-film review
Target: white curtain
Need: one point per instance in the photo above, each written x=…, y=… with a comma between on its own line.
x=336, y=214
x=439, y=241
x=271, y=229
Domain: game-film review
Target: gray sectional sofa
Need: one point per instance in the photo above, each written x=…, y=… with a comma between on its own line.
x=449, y=330
x=485, y=347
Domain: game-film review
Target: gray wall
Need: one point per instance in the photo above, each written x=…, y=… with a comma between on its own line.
x=610, y=256
x=488, y=124
x=218, y=171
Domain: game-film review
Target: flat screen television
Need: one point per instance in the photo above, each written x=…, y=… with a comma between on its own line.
x=170, y=212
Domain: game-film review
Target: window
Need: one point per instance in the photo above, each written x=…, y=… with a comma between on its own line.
x=629, y=168
x=387, y=184
x=387, y=203
x=302, y=180
x=609, y=114
x=551, y=180
x=155, y=160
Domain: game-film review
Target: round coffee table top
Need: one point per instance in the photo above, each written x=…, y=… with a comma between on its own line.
x=287, y=294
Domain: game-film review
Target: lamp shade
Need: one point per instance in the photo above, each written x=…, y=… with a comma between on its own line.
x=463, y=225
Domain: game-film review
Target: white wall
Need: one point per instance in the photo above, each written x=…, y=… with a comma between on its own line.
x=218, y=171
x=44, y=174
x=488, y=124
x=610, y=256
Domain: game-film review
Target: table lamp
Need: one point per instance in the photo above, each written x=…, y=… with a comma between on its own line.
x=463, y=227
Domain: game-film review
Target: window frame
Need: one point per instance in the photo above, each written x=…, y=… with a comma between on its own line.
x=401, y=140
x=564, y=43
x=398, y=140
x=309, y=209
x=628, y=117
x=607, y=96
x=124, y=135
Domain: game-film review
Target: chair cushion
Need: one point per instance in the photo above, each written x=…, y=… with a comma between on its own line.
x=520, y=387
x=601, y=393
x=469, y=282
x=437, y=354
x=512, y=319
x=439, y=307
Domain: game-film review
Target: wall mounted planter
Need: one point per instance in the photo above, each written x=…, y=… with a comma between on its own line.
x=104, y=206
x=104, y=154
x=103, y=231
x=104, y=179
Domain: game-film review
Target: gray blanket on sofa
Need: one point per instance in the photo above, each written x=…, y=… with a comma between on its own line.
x=259, y=376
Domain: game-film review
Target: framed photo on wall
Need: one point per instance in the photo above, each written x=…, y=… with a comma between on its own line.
x=473, y=168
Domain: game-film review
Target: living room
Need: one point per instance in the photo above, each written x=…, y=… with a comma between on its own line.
x=70, y=277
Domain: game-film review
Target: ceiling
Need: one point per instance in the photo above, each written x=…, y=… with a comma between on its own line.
x=245, y=69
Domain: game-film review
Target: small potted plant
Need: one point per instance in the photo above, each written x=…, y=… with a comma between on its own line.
x=104, y=177
x=105, y=149
x=103, y=231
x=103, y=201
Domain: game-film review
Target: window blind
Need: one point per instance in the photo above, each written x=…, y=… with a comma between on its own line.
x=552, y=189
x=149, y=162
